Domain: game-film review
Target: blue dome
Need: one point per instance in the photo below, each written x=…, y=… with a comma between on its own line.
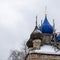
x=58, y=38
x=46, y=27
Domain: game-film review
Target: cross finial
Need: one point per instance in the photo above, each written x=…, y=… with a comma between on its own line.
x=36, y=24
x=45, y=10
x=36, y=20
x=54, y=25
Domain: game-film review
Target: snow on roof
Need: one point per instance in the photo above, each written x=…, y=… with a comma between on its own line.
x=47, y=49
x=37, y=31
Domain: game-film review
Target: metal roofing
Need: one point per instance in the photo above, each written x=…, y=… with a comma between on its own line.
x=46, y=27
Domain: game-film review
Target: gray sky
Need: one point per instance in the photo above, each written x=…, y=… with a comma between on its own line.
x=17, y=21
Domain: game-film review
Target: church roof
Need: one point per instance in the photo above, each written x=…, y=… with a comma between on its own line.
x=37, y=31
x=47, y=49
x=46, y=27
x=36, y=34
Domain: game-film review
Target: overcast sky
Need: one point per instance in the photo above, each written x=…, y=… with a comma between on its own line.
x=17, y=21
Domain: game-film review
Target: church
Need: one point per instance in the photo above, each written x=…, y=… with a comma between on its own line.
x=44, y=42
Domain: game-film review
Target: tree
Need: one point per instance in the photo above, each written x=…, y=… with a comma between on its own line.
x=19, y=55
x=16, y=55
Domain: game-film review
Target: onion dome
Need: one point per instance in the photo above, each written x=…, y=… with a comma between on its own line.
x=36, y=34
x=58, y=38
x=46, y=27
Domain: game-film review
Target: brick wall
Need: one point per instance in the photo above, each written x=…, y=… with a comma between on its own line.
x=42, y=57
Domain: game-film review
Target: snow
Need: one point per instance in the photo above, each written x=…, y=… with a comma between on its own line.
x=47, y=49
x=37, y=31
